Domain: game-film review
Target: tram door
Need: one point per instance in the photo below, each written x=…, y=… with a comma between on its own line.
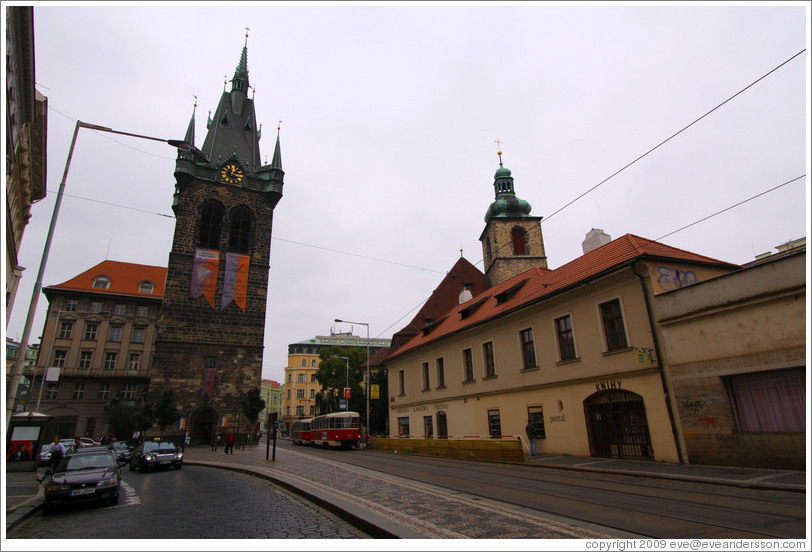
x=617, y=426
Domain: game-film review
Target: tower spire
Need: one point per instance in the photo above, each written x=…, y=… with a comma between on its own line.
x=240, y=80
x=190, y=132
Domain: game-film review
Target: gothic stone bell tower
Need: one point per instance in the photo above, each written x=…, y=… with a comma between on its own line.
x=512, y=241
x=211, y=330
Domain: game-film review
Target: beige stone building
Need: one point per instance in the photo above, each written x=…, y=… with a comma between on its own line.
x=100, y=334
x=575, y=350
x=736, y=351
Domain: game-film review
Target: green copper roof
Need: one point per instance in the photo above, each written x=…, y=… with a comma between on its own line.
x=506, y=204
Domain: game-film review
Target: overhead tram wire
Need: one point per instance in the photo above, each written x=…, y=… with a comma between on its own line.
x=686, y=127
x=765, y=75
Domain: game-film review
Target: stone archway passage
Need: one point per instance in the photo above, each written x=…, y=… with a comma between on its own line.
x=203, y=426
x=616, y=425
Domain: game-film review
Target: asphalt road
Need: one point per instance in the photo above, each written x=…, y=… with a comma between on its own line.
x=192, y=503
x=644, y=506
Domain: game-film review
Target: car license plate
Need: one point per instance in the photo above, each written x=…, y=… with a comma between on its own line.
x=166, y=461
x=82, y=492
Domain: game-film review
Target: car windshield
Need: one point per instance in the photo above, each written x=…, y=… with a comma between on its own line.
x=87, y=461
x=162, y=447
x=120, y=445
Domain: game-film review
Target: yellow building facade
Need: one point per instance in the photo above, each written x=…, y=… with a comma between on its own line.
x=575, y=350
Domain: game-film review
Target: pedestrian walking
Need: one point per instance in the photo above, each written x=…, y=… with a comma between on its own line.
x=57, y=454
x=530, y=429
x=230, y=439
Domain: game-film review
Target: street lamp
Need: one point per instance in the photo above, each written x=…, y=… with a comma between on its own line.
x=348, y=369
x=32, y=308
x=367, y=371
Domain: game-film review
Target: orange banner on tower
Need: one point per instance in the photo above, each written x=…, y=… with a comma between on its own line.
x=204, y=274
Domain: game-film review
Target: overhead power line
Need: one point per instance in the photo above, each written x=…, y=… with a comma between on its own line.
x=683, y=129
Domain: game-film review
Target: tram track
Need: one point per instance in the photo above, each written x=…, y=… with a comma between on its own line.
x=643, y=506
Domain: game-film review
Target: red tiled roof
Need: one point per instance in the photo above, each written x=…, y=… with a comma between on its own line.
x=443, y=298
x=538, y=282
x=125, y=279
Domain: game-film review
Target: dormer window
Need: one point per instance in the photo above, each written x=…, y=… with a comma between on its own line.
x=101, y=282
x=146, y=287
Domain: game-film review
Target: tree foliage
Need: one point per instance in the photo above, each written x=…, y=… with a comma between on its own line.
x=251, y=405
x=333, y=376
x=123, y=419
x=165, y=410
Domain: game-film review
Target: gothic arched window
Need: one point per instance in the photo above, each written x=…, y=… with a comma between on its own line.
x=211, y=225
x=242, y=221
x=519, y=238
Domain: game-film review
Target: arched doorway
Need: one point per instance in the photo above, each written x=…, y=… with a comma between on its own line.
x=616, y=425
x=203, y=425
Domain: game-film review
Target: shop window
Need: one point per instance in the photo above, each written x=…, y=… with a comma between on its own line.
x=536, y=416
x=494, y=423
x=771, y=401
x=403, y=427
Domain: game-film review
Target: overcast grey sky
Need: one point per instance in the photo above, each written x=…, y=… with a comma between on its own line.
x=390, y=115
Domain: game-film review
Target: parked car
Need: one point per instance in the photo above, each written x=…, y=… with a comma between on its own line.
x=123, y=450
x=156, y=454
x=87, y=474
x=45, y=452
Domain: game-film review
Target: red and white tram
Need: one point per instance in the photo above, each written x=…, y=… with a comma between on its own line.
x=338, y=429
x=300, y=432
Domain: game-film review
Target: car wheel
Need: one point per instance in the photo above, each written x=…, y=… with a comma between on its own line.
x=179, y=466
x=132, y=466
x=47, y=509
x=114, y=500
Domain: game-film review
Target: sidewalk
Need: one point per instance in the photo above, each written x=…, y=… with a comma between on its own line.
x=393, y=507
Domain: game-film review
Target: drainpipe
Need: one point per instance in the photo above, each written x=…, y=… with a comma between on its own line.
x=663, y=379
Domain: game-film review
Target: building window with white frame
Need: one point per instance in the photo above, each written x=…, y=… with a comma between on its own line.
x=440, y=373
x=120, y=309
x=91, y=328
x=59, y=358
x=613, y=328
x=134, y=362
x=96, y=307
x=78, y=390
x=137, y=335
x=528, y=348
x=566, y=341
x=487, y=355
x=104, y=391
x=51, y=390
x=110, y=358
x=65, y=330
x=142, y=311
x=130, y=391
x=114, y=334
x=468, y=365
x=71, y=305
x=146, y=287
x=85, y=359
x=101, y=282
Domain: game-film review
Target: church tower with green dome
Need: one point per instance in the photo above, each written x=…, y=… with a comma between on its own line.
x=210, y=335
x=512, y=241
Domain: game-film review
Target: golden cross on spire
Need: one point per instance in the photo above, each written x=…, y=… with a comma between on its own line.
x=279, y=125
x=195, y=100
x=498, y=143
x=246, y=35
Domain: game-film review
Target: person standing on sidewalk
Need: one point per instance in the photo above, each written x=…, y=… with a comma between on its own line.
x=57, y=454
x=230, y=442
x=531, y=437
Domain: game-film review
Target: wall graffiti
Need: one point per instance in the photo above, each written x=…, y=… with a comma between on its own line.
x=693, y=406
x=670, y=278
x=708, y=421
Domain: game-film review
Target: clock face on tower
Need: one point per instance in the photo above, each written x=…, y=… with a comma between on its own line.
x=231, y=173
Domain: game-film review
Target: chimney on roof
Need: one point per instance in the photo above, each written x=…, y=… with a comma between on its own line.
x=594, y=239
x=466, y=294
